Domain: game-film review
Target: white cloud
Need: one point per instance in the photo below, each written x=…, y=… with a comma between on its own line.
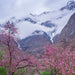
x=22, y=7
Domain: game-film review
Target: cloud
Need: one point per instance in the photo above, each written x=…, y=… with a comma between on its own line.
x=10, y=8
x=55, y=4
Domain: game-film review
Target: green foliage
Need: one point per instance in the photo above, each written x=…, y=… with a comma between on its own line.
x=20, y=71
x=32, y=73
x=23, y=71
x=54, y=72
x=1, y=52
x=2, y=71
x=45, y=73
x=74, y=68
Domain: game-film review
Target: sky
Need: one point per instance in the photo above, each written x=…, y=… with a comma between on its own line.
x=10, y=8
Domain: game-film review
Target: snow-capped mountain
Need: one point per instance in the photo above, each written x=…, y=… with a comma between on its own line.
x=36, y=31
x=51, y=22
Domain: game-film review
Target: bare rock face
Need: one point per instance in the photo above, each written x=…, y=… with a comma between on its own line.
x=35, y=44
x=67, y=35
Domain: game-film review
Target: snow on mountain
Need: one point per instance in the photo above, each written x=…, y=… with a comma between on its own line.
x=25, y=29
x=52, y=23
x=70, y=5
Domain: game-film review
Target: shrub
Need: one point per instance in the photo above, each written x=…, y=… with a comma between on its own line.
x=2, y=71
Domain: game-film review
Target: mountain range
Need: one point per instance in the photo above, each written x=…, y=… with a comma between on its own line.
x=36, y=31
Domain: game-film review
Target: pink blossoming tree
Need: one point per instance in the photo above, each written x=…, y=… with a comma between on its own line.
x=13, y=57
x=59, y=62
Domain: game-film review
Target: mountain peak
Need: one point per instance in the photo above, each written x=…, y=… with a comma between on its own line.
x=70, y=5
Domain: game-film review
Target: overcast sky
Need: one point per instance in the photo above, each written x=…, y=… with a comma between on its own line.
x=10, y=8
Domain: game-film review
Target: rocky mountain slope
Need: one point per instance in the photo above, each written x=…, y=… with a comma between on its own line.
x=67, y=35
x=35, y=43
